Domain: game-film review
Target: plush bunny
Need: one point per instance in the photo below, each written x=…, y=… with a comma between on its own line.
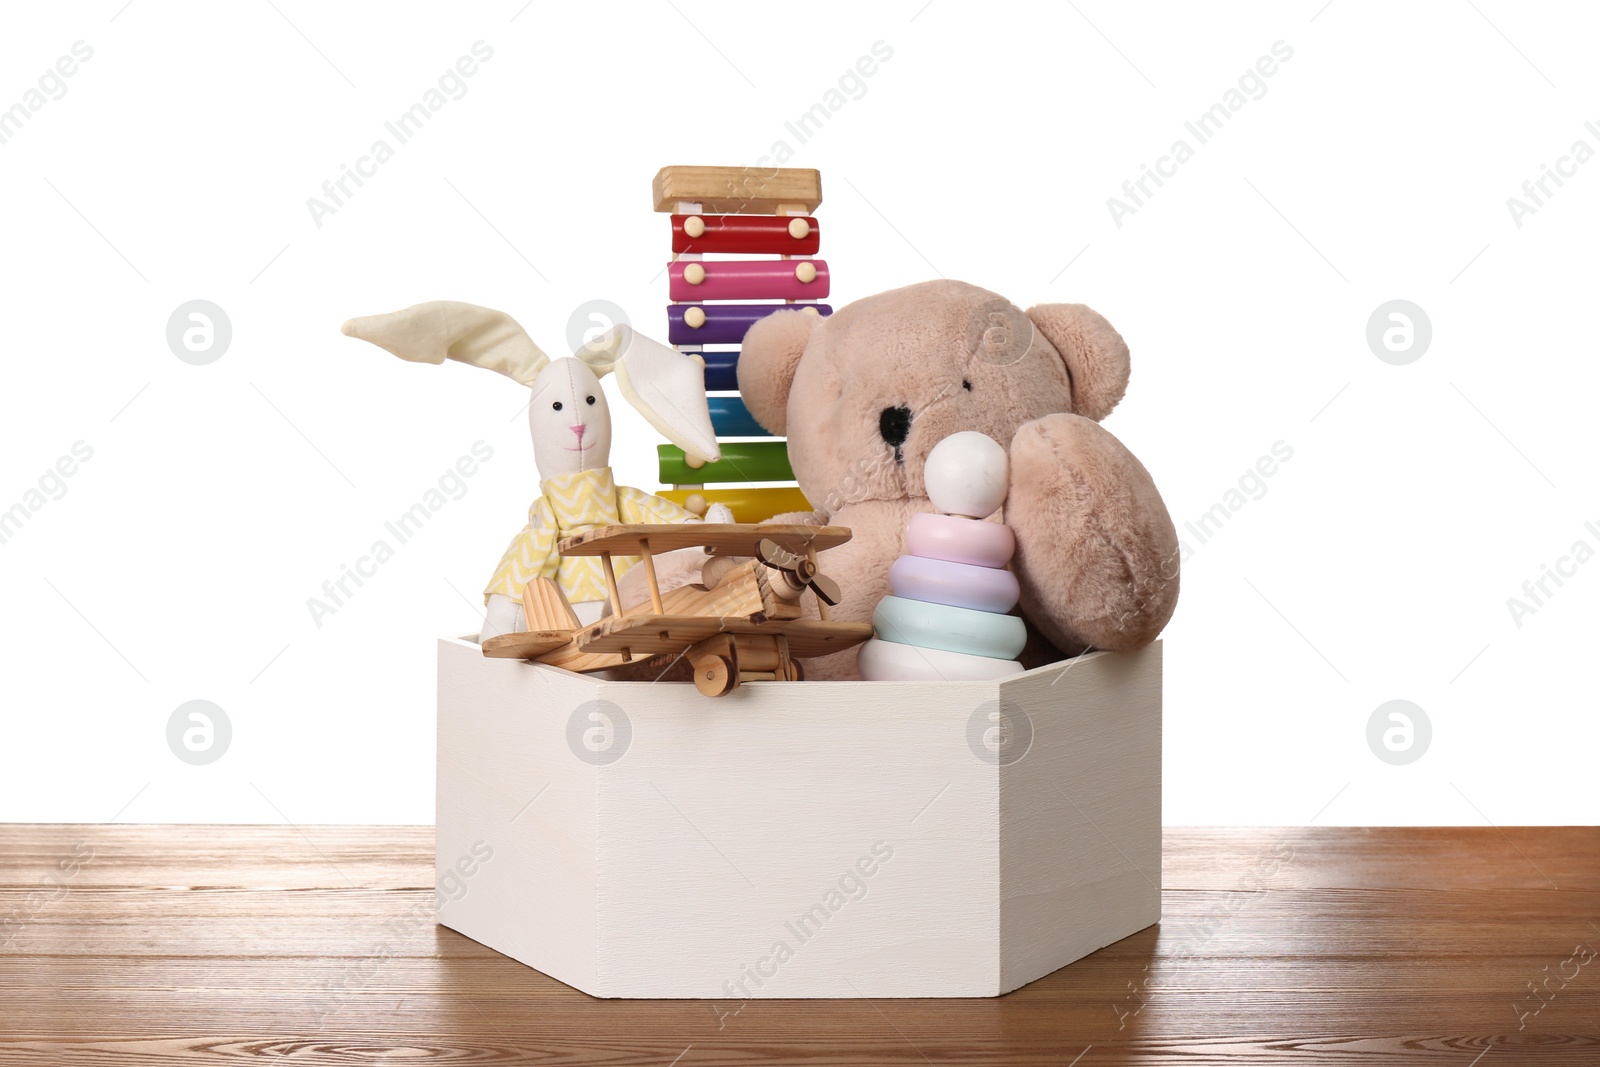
x=571, y=428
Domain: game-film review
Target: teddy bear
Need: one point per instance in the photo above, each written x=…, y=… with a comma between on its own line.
x=864, y=395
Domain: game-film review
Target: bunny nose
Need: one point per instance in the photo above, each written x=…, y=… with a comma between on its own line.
x=578, y=429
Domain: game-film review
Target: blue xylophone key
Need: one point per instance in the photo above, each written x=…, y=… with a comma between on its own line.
x=722, y=370
x=730, y=418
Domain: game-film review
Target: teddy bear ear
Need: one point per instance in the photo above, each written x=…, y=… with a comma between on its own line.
x=1095, y=354
x=767, y=360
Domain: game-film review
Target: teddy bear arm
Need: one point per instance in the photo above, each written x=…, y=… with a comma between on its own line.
x=1097, y=554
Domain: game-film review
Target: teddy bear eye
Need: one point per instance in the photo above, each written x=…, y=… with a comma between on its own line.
x=966, y=383
x=556, y=406
x=590, y=399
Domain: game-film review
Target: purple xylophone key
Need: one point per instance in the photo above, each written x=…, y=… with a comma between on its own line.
x=724, y=324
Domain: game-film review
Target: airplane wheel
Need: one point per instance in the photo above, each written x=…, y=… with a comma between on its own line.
x=795, y=672
x=715, y=676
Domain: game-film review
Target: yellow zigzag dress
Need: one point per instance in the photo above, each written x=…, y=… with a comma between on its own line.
x=572, y=504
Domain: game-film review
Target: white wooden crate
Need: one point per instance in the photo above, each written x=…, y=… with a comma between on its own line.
x=676, y=854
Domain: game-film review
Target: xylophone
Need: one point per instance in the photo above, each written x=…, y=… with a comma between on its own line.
x=737, y=212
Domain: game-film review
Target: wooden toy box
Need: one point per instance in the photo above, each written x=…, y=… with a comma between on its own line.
x=798, y=839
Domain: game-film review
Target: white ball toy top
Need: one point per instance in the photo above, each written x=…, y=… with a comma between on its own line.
x=966, y=474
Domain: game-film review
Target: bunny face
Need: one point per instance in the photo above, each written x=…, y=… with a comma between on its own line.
x=569, y=420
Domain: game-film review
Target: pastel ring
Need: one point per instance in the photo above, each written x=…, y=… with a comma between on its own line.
x=959, y=585
x=960, y=540
x=976, y=633
x=885, y=661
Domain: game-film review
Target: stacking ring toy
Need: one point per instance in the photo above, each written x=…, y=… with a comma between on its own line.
x=960, y=585
x=958, y=540
x=976, y=633
x=885, y=661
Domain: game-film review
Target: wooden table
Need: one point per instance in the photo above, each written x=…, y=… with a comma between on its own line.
x=211, y=944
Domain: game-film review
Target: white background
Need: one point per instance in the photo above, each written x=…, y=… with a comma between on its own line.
x=219, y=498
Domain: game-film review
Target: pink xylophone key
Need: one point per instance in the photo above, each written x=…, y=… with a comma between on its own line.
x=786, y=279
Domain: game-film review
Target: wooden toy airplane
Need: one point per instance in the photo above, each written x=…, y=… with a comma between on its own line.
x=746, y=626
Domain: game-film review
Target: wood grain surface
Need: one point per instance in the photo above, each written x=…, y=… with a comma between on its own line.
x=717, y=538
x=316, y=945
x=736, y=190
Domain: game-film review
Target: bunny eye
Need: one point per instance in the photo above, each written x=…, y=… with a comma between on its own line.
x=556, y=406
x=591, y=400
x=966, y=383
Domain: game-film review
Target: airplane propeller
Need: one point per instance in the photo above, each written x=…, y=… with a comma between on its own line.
x=801, y=570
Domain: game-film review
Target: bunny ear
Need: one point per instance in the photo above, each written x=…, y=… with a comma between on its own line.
x=601, y=354
x=448, y=329
x=664, y=385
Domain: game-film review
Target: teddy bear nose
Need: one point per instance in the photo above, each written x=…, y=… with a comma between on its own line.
x=895, y=425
